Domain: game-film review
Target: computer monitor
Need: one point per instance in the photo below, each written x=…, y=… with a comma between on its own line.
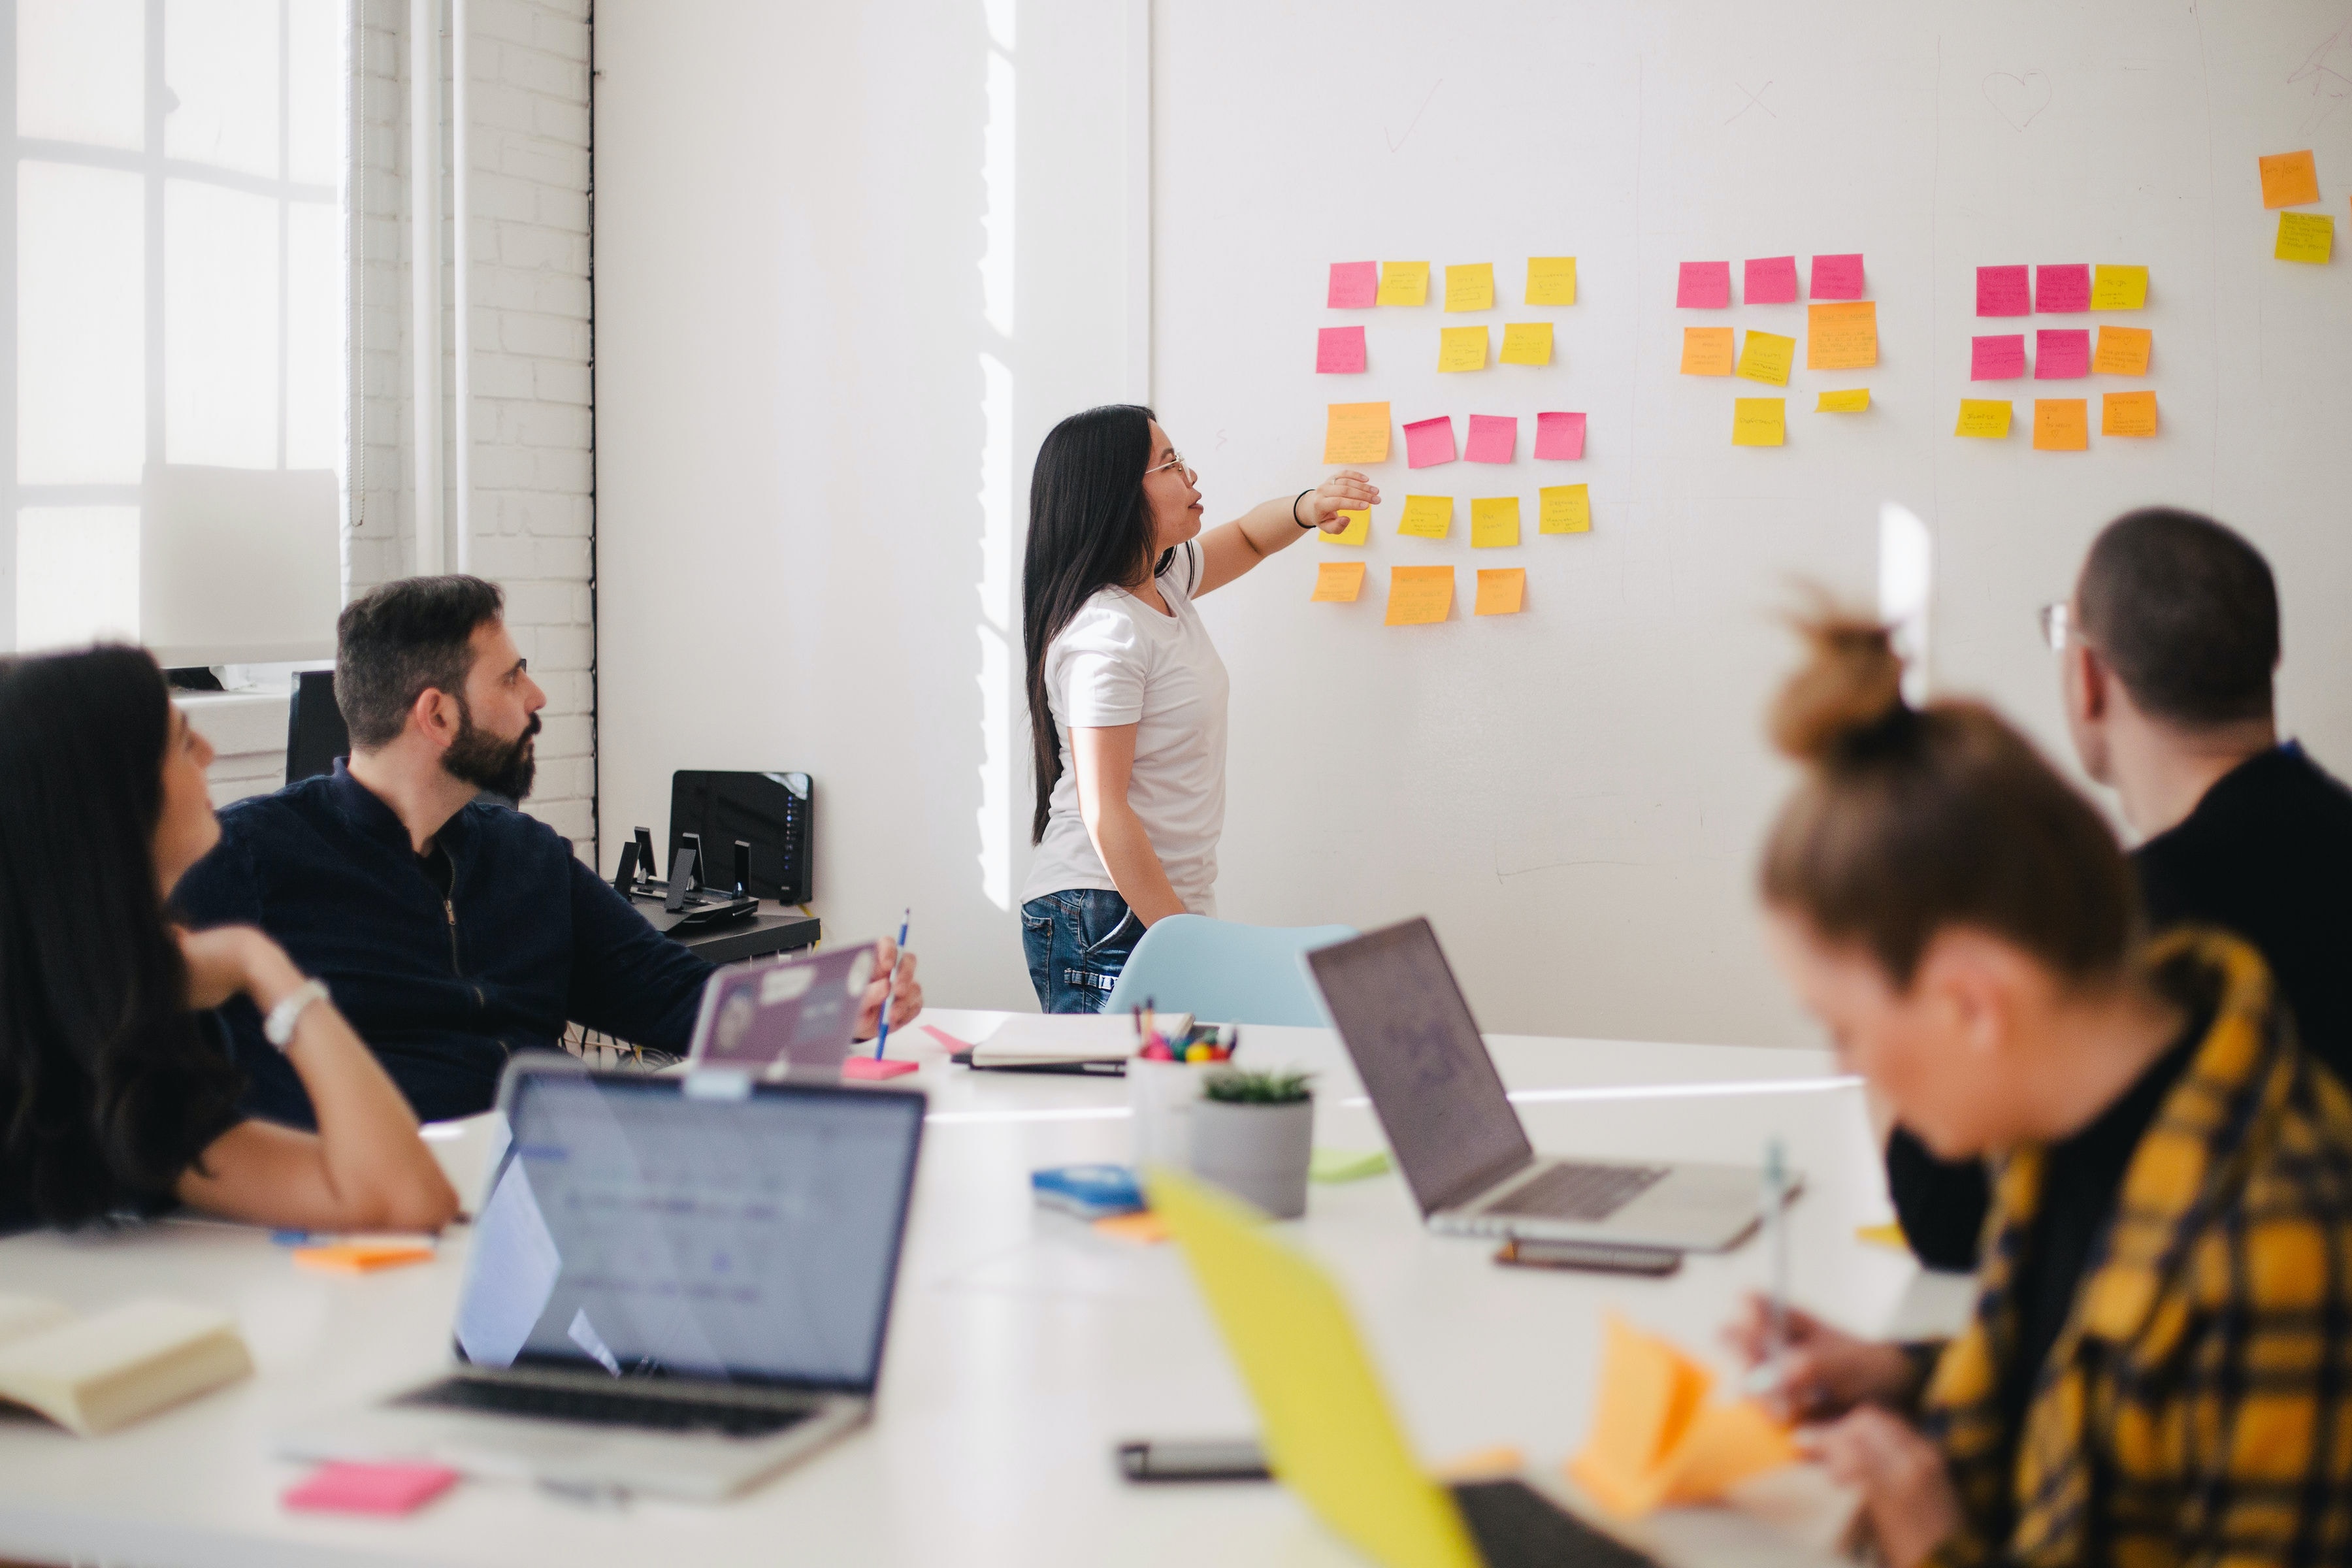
x=773, y=812
x=315, y=733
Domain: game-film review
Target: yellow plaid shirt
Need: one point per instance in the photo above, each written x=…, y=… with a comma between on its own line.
x=2197, y=1406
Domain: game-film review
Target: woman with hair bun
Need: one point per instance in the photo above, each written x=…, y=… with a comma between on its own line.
x=2158, y=1369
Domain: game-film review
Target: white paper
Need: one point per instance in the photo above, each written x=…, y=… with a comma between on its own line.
x=516, y=1265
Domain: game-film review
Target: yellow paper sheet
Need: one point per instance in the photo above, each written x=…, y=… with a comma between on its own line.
x=1706, y=350
x=1493, y=521
x=1461, y=348
x=1843, y=336
x=2121, y=351
x=1526, y=342
x=1420, y=595
x=2289, y=179
x=1566, y=508
x=2305, y=237
x=1501, y=590
x=1987, y=418
x=2128, y=413
x=1471, y=286
x=2118, y=288
x=1337, y=582
x=1356, y=433
x=1759, y=421
x=1856, y=401
x=1766, y=357
x=1403, y=283
x=2062, y=424
x=1655, y=1440
x=1426, y=517
x=1551, y=281
x=1357, y=532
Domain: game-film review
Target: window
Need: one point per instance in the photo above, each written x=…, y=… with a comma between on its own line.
x=174, y=286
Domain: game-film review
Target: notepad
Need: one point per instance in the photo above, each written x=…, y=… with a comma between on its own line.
x=2062, y=424
x=1706, y=350
x=1461, y=348
x=2121, y=351
x=362, y=1257
x=1051, y=1039
x=1494, y=438
x=1429, y=442
x=1759, y=421
x=2063, y=289
x=1526, y=342
x=95, y=1374
x=1551, y=281
x=2001, y=291
x=1356, y=433
x=2128, y=413
x=1493, y=521
x=1564, y=508
x=2062, y=353
x=1471, y=286
x=1655, y=1441
x=2118, y=288
x=2289, y=179
x=1766, y=357
x=2305, y=237
x=1355, y=285
x=1338, y=350
x=1853, y=400
x=1501, y=590
x=1984, y=419
x=1559, y=437
x=1426, y=517
x=1337, y=582
x=1842, y=337
x=1703, y=285
x=1420, y=595
x=1997, y=356
x=1403, y=283
x=1771, y=280
x=384, y=1490
x=1837, y=277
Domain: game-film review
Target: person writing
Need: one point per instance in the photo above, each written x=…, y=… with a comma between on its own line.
x=1126, y=695
x=117, y=1093
x=2159, y=1368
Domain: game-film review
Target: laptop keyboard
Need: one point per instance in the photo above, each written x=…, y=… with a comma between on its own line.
x=1517, y=1527
x=646, y=1412
x=1580, y=1192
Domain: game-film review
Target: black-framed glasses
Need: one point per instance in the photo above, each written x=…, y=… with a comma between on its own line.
x=1175, y=460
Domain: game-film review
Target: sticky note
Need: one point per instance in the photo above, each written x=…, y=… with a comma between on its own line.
x=1357, y=532
x=1766, y=356
x=1526, y=342
x=1564, y=508
x=1984, y=417
x=2001, y=291
x=2000, y=357
x=1769, y=280
x=1655, y=1439
x=2289, y=179
x=2128, y=413
x=2118, y=288
x=1354, y=285
x=1328, y=1165
x=2304, y=236
x=2062, y=353
x=1494, y=438
x=1403, y=283
x=1142, y=1228
x=1854, y=401
x=1338, y=350
x=1759, y=421
x=1501, y=590
x=1559, y=437
x=1837, y=277
x=1703, y=285
x=361, y=1256
x=1356, y=433
x=1493, y=521
x=2062, y=424
x=1471, y=286
x=385, y=1489
x=1419, y=595
x=1461, y=348
x=1429, y=442
x=1887, y=1234
x=1337, y=582
x=1706, y=350
x=2121, y=351
x=2063, y=290
x=1551, y=281
x=1426, y=517
x=1842, y=337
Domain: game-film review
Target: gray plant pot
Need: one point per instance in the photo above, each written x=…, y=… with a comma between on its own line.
x=1259, y=1152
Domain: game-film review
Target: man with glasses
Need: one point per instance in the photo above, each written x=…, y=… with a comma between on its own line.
x=2167, y=651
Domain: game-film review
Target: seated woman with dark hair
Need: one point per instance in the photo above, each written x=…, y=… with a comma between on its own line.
x=116, y=1095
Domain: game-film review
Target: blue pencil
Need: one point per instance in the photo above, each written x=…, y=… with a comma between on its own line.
x=906, y=919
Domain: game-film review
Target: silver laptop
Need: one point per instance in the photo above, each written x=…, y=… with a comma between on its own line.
x=1465, y=1154
x=676, y=1285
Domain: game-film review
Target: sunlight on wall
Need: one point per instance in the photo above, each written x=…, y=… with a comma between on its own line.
x=996, y=630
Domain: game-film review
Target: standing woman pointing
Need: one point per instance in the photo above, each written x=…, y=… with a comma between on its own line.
x=1126, y=695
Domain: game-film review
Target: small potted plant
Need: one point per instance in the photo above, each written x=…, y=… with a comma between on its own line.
x=1254, y=1134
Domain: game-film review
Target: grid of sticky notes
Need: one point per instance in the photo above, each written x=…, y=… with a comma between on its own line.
x=2059, y=353
x=1839, y=325
x=2292, y=180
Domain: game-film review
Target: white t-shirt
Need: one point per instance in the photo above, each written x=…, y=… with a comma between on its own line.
x=1119, y=661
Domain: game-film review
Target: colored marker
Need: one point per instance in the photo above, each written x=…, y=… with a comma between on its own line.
x=906, y=919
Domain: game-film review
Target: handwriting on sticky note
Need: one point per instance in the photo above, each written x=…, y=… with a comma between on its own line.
x=1766, y=356
x=1559, y=437
x=1551, y=281
x=1526, y=342
x=1356, y=433
x=2062, y=424
x=2121, y=351
x=2289, y=179
x=1769, y=280
x=1337, y=582
x=1501, y=590
x=1404, y=283
x=1357, y=532
x=1427, y=517
x=2001, y=291
x=1471, y=286
x=1856, y=400
x=1493, y=521
x=1564, y=508
x=1842, y=337
x=1461, y=348
x=1998, y=357
x=2304, y=236
x=1429, y=442
x=1759, y=421
x=1420, y=595
x=2062, y=353
x=1494, y=438
x=2118, y=288
x=1706, y=350
x=2063, y=290
x=1703, y=285
x=1984, y=419
x=2128, y=413
x=1837, y=277
x=1354, y=285
x=1338, y=350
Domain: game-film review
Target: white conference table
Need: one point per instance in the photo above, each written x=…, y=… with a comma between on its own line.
x=1024, y=1345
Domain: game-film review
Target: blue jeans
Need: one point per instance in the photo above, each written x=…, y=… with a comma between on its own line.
x=1077, y=944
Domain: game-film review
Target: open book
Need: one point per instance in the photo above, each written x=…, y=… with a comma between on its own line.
x=93, y=1375
x=1064, y=1039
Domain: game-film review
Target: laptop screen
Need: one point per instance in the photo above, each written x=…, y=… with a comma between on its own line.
x=632, y=1226
x=1434, y=1086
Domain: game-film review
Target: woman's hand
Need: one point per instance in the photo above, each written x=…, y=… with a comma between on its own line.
x=906, y=995
x=1906, y=1489
x=1824, y=1372
x=230, y=961
x=1346, y=491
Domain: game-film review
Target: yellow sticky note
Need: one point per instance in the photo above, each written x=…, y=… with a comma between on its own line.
x=1551, y=279
x=1461, y=348
x=1983, y=417
x=1356, y=433
x=1886, y=1234
x=2062, y=424
x=1501, y=590
x=1706, y=350
x=2118, y=288
x=2289, y=179
x=1337, y=582
x=1426, y=517
x=1493, y=521
x=1420, y=595
x=1766, y=356
x=1403, y=283
x=1842, y=337
x=1856, y=401
x=2121, y=351
x=1470, y=288
x=2305, y=237
x=1526, y=342
x=2128, y=413
x=1564, y=508
x=1759, y=421
x=1357, y=532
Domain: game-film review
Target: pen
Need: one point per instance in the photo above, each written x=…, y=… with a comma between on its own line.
x=906, y=919
x=1775, y=1199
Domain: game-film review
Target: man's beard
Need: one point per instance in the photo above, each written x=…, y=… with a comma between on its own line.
x=479, y=758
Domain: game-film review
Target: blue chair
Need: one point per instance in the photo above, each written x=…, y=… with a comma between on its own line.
x=1227, y=973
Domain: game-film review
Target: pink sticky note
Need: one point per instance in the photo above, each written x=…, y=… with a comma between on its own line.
x=1559, y=437
x=1338, y=350
x=1429, y=442
x=2001, y=291
x=954, y=1046
x=1997, y=359
x=369, y=1488
x=1354, y=285
x=1494, y=438
x=1771, y=280
x=1837, y=277
x=2062, y=353
x=2063, y=290
x=1706, y=286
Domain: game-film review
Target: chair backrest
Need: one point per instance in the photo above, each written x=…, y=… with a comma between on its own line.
x=1227, y=973
x=315, y=735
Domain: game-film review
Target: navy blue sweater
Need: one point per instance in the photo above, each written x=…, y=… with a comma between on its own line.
x=444, y=992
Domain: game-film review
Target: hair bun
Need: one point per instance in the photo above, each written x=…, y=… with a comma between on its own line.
x=1852, y=683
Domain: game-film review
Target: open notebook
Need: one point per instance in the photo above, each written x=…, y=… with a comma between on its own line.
x=1068, y=1039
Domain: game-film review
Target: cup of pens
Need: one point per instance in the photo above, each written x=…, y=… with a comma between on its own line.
x=1163, y=1083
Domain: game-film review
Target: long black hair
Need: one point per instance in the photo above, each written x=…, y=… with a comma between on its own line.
x=105, y=1087
x=1089, y=529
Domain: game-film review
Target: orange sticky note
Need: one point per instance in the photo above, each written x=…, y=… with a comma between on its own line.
x=1337, y=582
x=1357, y=532
x=2128, y=413
x=1461, y=348
x=1500, y=590
x=1706, y=350
x=1426, y=517
x=2062, y=424
x=1655, y=1441
x=2121, y=351
x=1493, y=521
x=361, y=1256
x=1564, y=508
x=1842, y=337
x=1144, y=1228
x=1420, y=595
x=1984, y=417
x=1356, y=433
x=1759, y=421
x=2290, y=179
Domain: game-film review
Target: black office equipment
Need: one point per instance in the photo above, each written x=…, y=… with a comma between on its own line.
x=624, y=880
x=743, y=868
x=774, y=813
x=681, y=880
x=315, y=734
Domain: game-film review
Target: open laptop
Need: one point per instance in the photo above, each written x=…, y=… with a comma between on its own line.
x=796, y=1014
x=1463, y=1153
x=676, y=1285
x=1325, y=1423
